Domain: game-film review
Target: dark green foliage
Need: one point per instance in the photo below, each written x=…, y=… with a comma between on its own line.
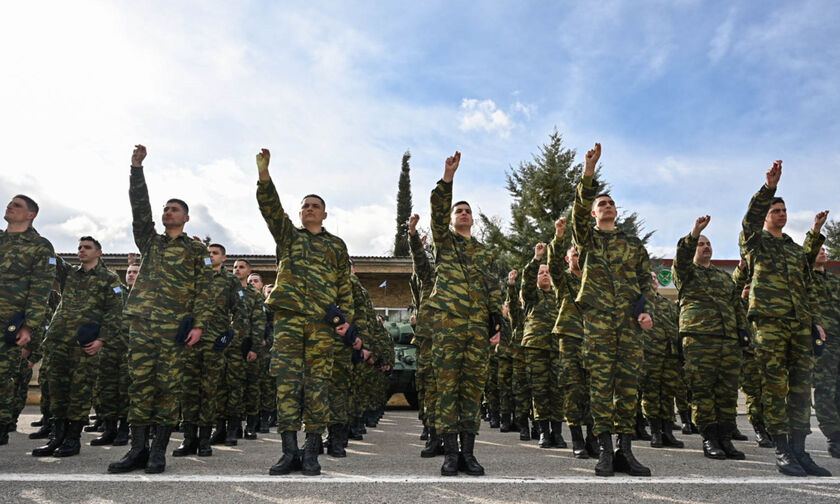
x=404, y=208
x=832, y=239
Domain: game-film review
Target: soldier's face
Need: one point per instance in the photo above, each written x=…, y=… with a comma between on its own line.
x=462, y=216
x=131, y=274
x=603, y=209
x=572, y=257
x=17, y=212
x=543, y=277
x=821, y=257
x=654, y=281
x=241, y=270
x=217, y=258
x=704, y=248
x=256, y=282
x=174, y=215
x=777, y=216
x=87, y=252
x=312, y=211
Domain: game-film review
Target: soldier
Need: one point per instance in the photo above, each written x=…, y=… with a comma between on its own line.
x=87, y=318
x=464, y=298
x=504, y=354
x=783, y=311
x=27, y=269
x=568, y=328
x=313, y=272
x=827, y=367
x=616, y=279
x=711, y=320
x=169, y=296
x=45, y=422
x=255, y=310
x=521, y=385
x=112, y=382
x=204, y=362
x=542, y=351
x=265, y=382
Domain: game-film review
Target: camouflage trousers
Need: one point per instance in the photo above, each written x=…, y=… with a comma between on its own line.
x=682, y=396
x=784, y=350
x=252, y=398
x=201, y=381
x=575, y=380
x=231, y=395
x=301, y=361
x=521, y=386
x=357, y=393
x=43, y=372
x=544, y=373
x=751, y=385
x=419, y=376
x=340, y=382
x=154, y=367
x=659, y=384
x=613, y=354
x=72, y=376
x=461, y=351
x=9, y=362
x=827, y=387
x=491, y=383
x=22, y=378
x=712, y=366
x=267, y=385
x=505, y=378
x=111, y=390
x=426, y=376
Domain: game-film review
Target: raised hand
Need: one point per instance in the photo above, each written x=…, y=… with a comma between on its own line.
x=560, y=227
x=138, y=155
x=592, y=157
x=539, y=251
x=819, y=221
x=512, y=277
x=774, y=174
x=262, y=164
x=699, y=225
x=451, y=166
x=412, y=224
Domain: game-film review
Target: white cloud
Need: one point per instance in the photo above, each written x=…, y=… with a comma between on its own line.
x=484, y=116
x=722, y=40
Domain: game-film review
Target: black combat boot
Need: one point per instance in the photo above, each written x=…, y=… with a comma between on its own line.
x=433, y=444
x=762, y=437
x=725, y=441
x=524, y=432
x=138, y=455
x=545, y=434
x=265, y=419
x=688, y=427
x=204, y=449
x=290, y=461
x=786, y=462
x=833, y=444
x=72, y=440
x=797, y=448
x=220, y=434
x=668, y=435
x=190, y=444
x=4, y=434
x=56, y=439
x=738, y=435
x=157, y=453
x=592, y=447
x=711, y=446
x=640, y=432
x=96, y=426
x=370, y=419
x=557, y=435
x=108, y=435
x=505, y=422
x=44, y=431
x=41, y=421
x=606, y=457
x=656, y=440
x=122, y=433
x=336, y=446
x=625, y=461
x=310, y=465
x=450, y=455
x=233, y=424
x=425, y=434
x=578, y=444
x=471, y=465
x=251, y=427
x=495, y=420
x=360, y=421
x=354, y=432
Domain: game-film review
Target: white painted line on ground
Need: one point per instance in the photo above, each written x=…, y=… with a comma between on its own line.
x=408, y=479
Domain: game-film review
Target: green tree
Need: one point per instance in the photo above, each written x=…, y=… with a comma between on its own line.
x=832, y=239
x=404, y=208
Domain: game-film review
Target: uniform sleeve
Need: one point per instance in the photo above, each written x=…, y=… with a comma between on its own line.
x=581, y=216
x=557, y=268
x=514, y=306
x=275, y=217
x=203, y=304
x=239, y=312
x=740, y=277
x=40, y=283
x=141, y=210
x=112, y=310
x=684, y=259
x=812, y=244
x=257, y=319
x=360, y=311
x=643, y=277
x=441, y=204
x=529, y=284
x=422, y=267
x=345, y=288
x=753, y=222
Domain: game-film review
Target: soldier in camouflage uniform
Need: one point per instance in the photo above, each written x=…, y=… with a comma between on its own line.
x=616, y=274
x=265, y=382
x=464, y=298
x=313, y=271
x=27, y=269
x=172, y=287
x=783, y=311
x=542, y=349
x=711, y=320
x=204, y=362
x=45, y=422
x=255, y=309
x=505, y=373
x=521, y=385
x=568, y=328
x=91, y=303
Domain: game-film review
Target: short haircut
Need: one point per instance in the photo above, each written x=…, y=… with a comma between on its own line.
x=462, y=202
x=601, y=195
x=180, y=202
x=219, y=246
x=775, y=200
x=245, y=261
x=92, y=239
x=255, y=274
x=30, y=203
x=132, y=265
x=572, y=247
x=323, y=203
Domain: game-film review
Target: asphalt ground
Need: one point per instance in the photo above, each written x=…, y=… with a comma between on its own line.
x=386, y=468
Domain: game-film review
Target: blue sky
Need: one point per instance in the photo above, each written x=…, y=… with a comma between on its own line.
x=692, y=100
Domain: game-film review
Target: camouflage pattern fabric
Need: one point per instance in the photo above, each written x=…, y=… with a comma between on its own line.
x=750, y=381
x=521, y=385
x=544, y=372
x=505, y=372
x=491, y=383
x=155, y=366
x=422, y=284
x=661, y=367
x=340, y=381
x=232, y=392
x=566, y=286
x=575, y=380
x=111, y=389
x=681, y=396
x=256, y=324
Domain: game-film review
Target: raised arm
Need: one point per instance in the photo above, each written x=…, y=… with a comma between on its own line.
x=275, y=217
x=138, y=194
x=753, y=222
x=556, y=264
x=585, y=194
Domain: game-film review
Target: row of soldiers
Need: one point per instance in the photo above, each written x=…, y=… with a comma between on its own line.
x=184, y=341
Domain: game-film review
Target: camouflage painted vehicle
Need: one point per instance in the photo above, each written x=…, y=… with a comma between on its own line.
x=403, y=377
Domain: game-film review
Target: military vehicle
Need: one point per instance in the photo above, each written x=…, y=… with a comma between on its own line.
x=404, y=374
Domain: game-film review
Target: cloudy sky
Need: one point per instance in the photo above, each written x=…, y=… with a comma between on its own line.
x=691, y=99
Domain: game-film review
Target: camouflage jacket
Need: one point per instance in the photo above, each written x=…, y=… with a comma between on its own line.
x=782, y=274
x=516, y=315
x=175, y=273
x=93, y=296
x=228, y=302
x=826, y=288
x=27, y=270
x=52, y=306
x=664, y=337
x=566, y=286
x=313, y=270
x=503, y=349
x=255, y=317
x=616, y=268
x=540, y=311
x=423, y=279
x=740, y=278
x=464, y=285
x=708, y=296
